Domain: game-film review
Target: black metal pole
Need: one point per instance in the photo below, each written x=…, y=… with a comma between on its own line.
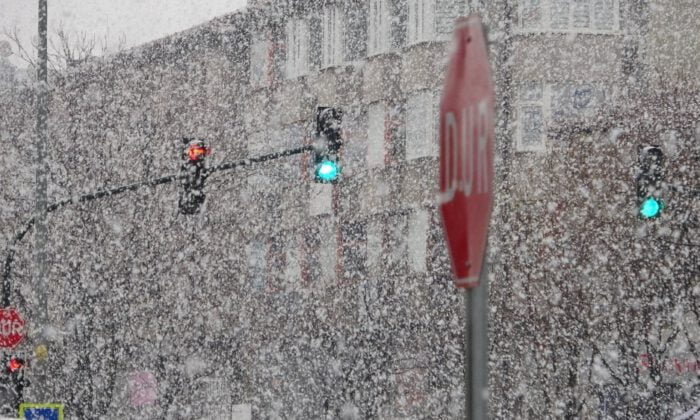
x=110, y=192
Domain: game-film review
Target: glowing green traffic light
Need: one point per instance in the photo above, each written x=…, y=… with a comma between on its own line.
x=327, y=170
x=651, y=208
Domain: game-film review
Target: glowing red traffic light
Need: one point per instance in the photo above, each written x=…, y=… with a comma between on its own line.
x=197, y=152
x=15, y=364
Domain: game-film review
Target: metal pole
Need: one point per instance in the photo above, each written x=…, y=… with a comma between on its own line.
x=467, y=354
x=41, y=167
x=41, y=182
x=476, y=348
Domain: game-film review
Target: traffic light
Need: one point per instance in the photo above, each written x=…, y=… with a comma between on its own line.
x=327, y=146
x=650, y=176
x=13, y=382
x=192, y=192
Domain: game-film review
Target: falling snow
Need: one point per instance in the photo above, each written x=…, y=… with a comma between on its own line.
x=275, y=296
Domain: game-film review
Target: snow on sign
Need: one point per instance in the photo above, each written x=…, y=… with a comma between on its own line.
x=466, y=151
x=11, y=328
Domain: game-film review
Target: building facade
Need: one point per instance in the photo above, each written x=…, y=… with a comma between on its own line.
x=308, y=300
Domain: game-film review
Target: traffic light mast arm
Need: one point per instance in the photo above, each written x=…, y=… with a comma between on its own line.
x=259, y=159
x=6, y=285
x=10, y=254
x=9, y=258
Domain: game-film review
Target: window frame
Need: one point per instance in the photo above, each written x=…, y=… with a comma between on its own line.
x=298, y=41
x=265, y=78
x=380, y=111
x=257, y=263
x=544, y=103
x=374, y=241
x=428, y=120
x=333, y=37
x=419, y=221
x=379, y=36
x=293, y=268
x=600, y=92
x=354, y=250
x=417, y=31
x=327, y=274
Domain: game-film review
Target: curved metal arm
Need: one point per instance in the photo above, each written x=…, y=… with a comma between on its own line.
x=7, y=284
x=8, y=262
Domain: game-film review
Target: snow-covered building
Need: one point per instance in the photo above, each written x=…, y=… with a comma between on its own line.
x=310, y=300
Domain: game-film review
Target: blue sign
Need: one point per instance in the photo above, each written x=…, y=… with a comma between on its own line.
x=32, y=411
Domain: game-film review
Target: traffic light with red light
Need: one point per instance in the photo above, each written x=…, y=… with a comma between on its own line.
x=14, y=365
x=195, y=173
x=328, y=143
x=13, y=383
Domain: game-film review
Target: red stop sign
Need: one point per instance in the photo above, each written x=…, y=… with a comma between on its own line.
x=466, y=152
x=11, y=327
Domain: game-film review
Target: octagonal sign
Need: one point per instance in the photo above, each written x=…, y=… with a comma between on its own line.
x=11, y=328
x=466, y=152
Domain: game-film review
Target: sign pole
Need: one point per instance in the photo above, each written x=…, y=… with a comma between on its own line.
x=467, y=352
x=40, y=233
x=476, y=346
x=476, y=351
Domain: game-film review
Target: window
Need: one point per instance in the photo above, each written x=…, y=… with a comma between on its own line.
x=421, y=21
x=260, y=63
x=418, y=240
x=297, y=48
x=379, y=31
x=531, y=127
x=320, y=199
x=292, y=268
x=332, y=47
x=326, y=251
x=320, y=244
x=421, y=125
x=257, y=263
x=374, y=245
x=354, y=250
x=355, y=139
x=368, y=290
x=541, y=103
x=397, y=244
x=376, y=134
x=587, y=16
x=575, y=100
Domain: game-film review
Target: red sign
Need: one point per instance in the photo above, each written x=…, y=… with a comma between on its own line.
x=466, y=152
x=11, y=328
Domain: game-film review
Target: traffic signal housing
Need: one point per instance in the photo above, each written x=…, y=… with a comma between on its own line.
x=13, y=382
x=649, y=180
x=194, y=169
x=328, y=143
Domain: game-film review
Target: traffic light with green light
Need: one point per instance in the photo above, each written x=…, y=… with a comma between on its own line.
x=329, y=140
x=650, y=176
x=192, y=192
